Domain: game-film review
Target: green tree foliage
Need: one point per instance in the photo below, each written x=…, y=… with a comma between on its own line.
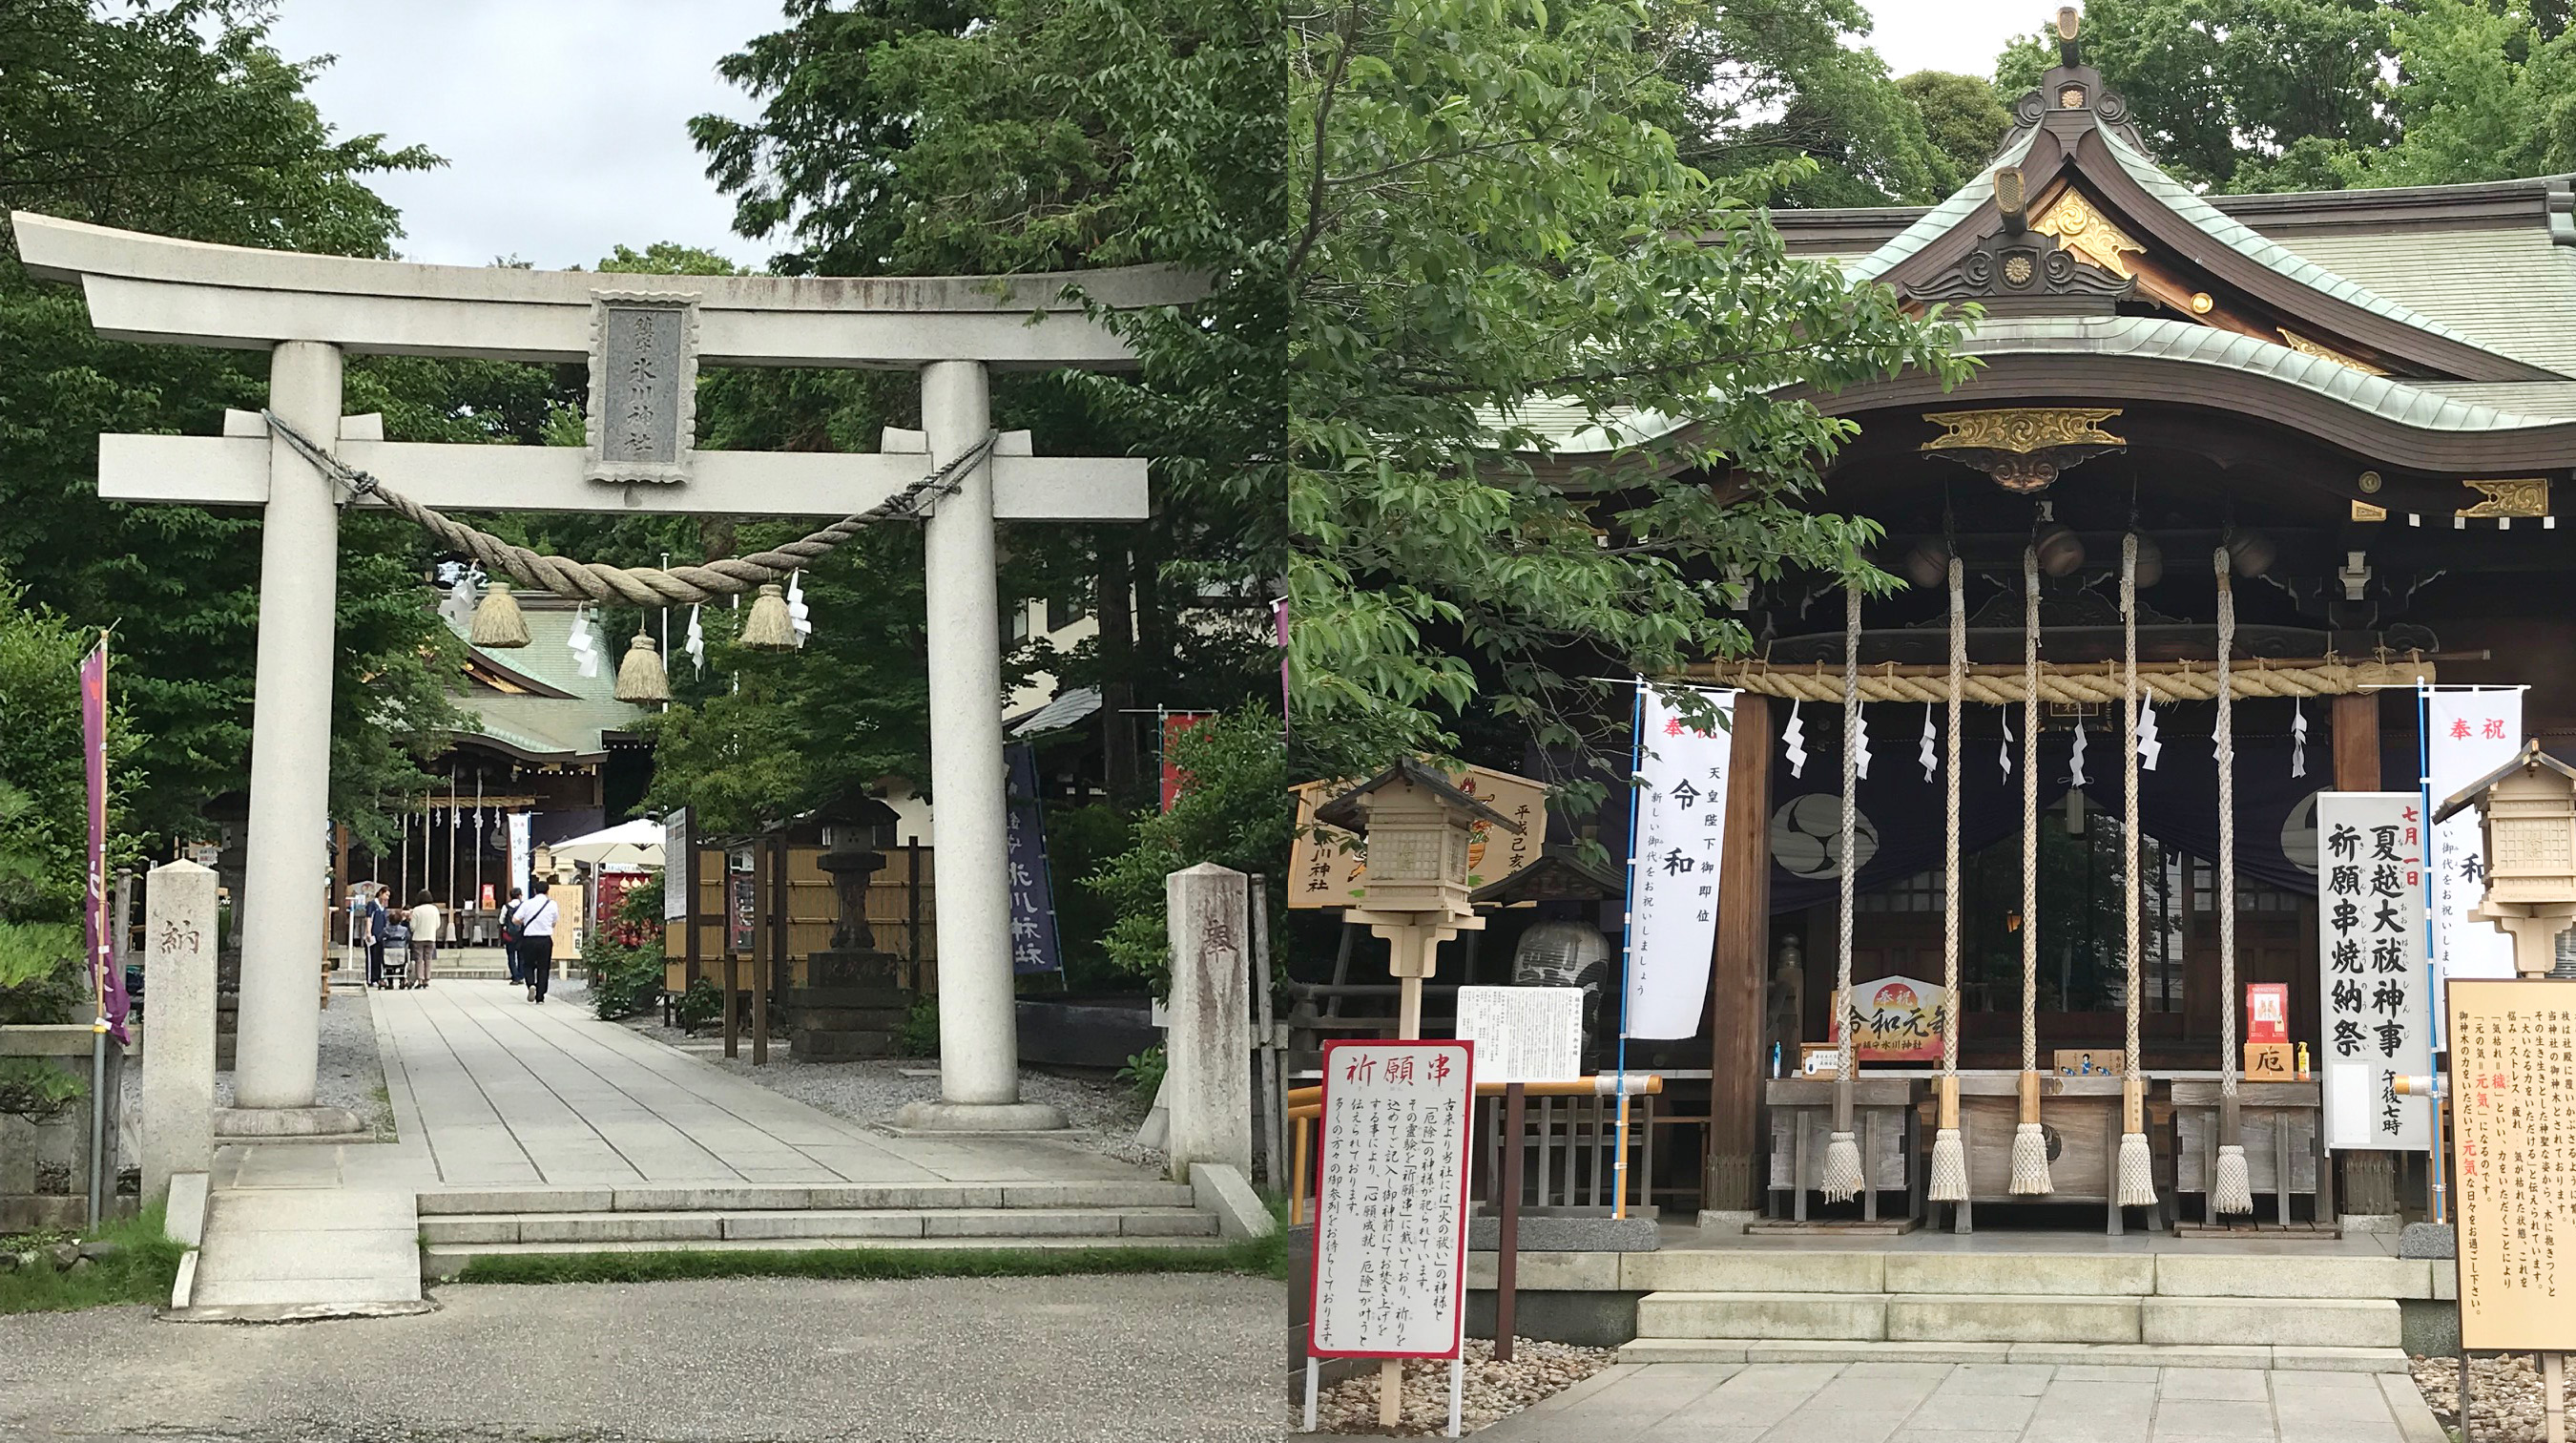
x=2488, y=93
x=1234, y=811
x=1962, y=117
x=179, y=119
x=1775, y=80
x=1494, y=240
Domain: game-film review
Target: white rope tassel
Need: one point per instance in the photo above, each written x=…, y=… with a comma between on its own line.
x=1841, y=1180
x=2232, y=1190
x=2030, y=1142
x=1949, y=1180
x=2137, y=1175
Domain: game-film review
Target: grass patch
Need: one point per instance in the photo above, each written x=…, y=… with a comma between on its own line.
x=141, y=1271
x=1261, y=1257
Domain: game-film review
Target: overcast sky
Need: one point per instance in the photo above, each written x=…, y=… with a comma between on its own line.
x=564, y=122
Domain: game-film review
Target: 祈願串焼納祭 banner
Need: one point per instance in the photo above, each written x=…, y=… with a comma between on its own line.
x=1677, y=835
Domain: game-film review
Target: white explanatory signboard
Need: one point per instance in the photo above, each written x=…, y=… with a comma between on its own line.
x=1678, y=834
x=678, y=870
x=2468, y=733
x=1523, y=1034
x=2375, y=1021
x=1390, y=1261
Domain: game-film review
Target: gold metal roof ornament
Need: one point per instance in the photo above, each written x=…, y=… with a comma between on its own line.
x=2024, y=448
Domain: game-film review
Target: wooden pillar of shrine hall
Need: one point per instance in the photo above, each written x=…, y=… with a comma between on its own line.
x=1731, y=1173
x=2369, y=1177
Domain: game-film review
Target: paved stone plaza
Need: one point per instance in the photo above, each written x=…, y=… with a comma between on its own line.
x=1187, y=1359
x=1971, y=1403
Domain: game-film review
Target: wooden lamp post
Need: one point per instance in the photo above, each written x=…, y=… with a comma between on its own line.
x=1416, y=824
x=2527, y=812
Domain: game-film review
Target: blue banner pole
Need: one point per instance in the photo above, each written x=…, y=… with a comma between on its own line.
x=1627, y=941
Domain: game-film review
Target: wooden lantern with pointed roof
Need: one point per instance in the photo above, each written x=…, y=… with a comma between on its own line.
x=2527, y=813
x=1417, y=825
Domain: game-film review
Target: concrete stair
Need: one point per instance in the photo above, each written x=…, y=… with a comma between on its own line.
x=458, y=1226
x=1749, y=1305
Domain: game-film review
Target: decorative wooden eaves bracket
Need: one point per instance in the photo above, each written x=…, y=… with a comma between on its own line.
x=2024, y=448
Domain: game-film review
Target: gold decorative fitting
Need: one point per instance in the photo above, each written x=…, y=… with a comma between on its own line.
x=2084, y=230
x=2018, y=268
x=2370, y=483
x=2022, y=429
x=2527, y=496
x=2364, y=511
x=2201, y=304
x=2071, y=98
x=2306, y=347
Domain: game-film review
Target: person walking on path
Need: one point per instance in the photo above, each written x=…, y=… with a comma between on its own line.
x=378, y=922
x=395, y=932
x=425, y=923
x=537, y=941
x=510, y=936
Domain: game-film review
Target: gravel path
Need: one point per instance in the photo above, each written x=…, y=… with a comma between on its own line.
x=1492, y=1392
x=349, y=1071
x=2504, y=1396
x=1103, y=1111
x=1144, y=1359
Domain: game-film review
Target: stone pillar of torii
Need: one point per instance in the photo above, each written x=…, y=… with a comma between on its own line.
x=309, y=311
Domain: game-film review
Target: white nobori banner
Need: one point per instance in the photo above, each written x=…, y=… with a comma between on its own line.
x=2468, y=733
x=1678, y=838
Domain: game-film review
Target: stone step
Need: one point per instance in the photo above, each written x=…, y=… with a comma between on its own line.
x=2154, y=1355
x=816, y=1223
x=446, y=1260
x=760, y=1197
x=2055, y=1319
x=2130, y=1275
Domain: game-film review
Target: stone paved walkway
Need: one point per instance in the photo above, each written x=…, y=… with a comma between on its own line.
x=1971, y=1403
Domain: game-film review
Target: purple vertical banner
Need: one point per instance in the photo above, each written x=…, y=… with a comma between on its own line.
x=1033, y=944
x=106, y=980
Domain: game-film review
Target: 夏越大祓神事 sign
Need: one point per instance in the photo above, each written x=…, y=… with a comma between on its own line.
x=2374, y=1019
x=1390, y=1256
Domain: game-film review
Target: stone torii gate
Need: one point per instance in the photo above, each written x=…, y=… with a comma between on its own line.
x=643, y=337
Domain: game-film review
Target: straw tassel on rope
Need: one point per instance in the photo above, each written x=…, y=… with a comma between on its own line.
x=2137, y=1175
x=640, y=676
x=1841, y=1180
x=2030, y=1140
x=1949, y=1181
x=2232, y=1190
x=498, y=624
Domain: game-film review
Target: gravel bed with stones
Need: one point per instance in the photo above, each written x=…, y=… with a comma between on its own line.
x=1104, y=1112
x=2504, y=1396
x=1492, y=1392
x=349, y=1072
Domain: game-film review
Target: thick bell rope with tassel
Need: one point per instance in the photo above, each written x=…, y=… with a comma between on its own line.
x=2232, y=1189
x=1949, y=1182
x=2030, y=1140
x=498, y=624
x=640, y=677
x=1841, y=1177
x=2137, y=1178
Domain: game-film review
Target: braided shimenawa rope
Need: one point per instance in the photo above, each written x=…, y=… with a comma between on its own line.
x=637, y=585
x=1949, y=1180
x=2030, y=1143
x=2166, y=682
x=2231, y=1191
x=1841, y=1179
x=2137, y=1187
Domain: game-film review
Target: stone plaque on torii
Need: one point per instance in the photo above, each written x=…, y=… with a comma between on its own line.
x=643, y=338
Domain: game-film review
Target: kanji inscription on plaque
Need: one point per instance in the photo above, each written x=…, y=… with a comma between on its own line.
x=1391, y=1200
x=643, y=386
x=2513, y=1079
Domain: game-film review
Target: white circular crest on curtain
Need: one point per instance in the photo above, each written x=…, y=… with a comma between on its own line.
x=1807, y=836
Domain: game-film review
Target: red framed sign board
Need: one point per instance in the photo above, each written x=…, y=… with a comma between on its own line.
x=1388, y=1276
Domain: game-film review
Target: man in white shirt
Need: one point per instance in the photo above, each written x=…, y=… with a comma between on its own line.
x=536, y=917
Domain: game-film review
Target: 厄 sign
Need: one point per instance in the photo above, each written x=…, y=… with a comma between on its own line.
x=1390, y=1258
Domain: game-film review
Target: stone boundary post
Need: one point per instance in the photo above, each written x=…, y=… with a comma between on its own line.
x=178, y=1024
x=1208, y=1070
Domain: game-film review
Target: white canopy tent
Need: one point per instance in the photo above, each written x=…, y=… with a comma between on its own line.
x=628, y=844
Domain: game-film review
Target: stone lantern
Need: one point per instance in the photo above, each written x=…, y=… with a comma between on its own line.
x=1417, y=825
x=856, y=995
x=2527, y=811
